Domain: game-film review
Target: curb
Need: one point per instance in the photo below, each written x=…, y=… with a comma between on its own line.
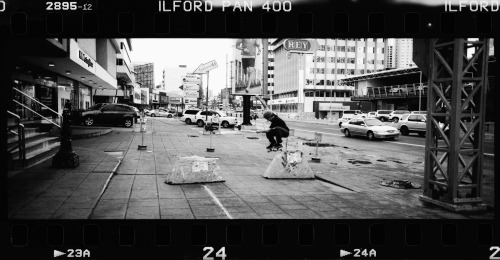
x=102, y=131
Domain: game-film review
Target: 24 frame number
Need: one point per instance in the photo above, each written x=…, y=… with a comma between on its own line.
x=496, y=253
x=220, y=254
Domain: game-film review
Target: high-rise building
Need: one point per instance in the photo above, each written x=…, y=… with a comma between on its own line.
x=389, y=57
x=403, y=53
x=145, y=74
x=307, y=83
x=270, y=67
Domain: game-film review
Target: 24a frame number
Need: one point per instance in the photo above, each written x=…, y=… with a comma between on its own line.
x=221, y=254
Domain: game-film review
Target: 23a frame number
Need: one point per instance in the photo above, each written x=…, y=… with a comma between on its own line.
x=221, y=254
x=496, y=254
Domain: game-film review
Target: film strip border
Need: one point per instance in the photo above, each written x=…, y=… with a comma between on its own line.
x=324, y=19
x=395, y=239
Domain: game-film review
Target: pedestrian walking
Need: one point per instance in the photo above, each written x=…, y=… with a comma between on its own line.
x=277, y=130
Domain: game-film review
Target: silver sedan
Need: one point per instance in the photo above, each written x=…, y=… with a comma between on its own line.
x=372, y=128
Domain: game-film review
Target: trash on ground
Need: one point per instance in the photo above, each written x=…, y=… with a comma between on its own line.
x=400, y=184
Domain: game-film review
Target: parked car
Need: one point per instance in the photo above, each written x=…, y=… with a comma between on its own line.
x=160, y=112
x=396, y=115
x=372, y=128
x=372, y=114
x=383, y=115
x=225, y=121
x=108, y=113
x=413, y=123
x=419, y=112
x=188, y=116
x=345, y=118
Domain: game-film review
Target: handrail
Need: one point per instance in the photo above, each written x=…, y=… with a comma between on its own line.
x=15, y=101
x=21, y=139
x=14, y=115
x=32, y=99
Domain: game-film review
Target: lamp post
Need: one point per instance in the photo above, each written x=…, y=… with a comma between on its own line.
x=66, y=157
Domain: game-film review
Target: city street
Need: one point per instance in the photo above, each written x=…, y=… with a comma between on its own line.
x=347, y=183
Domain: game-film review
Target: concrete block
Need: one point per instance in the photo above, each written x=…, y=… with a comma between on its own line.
x=194, y=169
x=289, y=164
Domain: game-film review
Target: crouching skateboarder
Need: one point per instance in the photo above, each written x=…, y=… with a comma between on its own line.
x=277, y=129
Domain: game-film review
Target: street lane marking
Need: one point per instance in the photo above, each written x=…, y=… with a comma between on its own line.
x=218, y=202
x=417, y=145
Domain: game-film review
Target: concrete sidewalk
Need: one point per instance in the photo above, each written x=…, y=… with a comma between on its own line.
x=348, y=183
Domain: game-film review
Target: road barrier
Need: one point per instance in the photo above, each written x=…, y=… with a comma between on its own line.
x=289, y=164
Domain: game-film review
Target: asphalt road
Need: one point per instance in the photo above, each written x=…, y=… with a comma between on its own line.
x=411, y=142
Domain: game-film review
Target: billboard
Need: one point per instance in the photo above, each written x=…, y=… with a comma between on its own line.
x=248, y=67
x=145, y=96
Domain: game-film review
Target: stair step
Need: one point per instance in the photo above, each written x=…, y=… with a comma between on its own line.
x=31, y=137
x=26, y=132
x=35, y=156
x=37, y=144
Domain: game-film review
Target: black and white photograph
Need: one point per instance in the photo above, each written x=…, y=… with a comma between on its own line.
x=250, y=128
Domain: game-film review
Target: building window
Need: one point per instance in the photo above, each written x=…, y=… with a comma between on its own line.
x=341, y=48
x=317, y=94
x=371, y=61
x=351, y=49
x=340, y=59
x=322, y=47
x=119, y=61
x=351, y=60
x=122, y=45
x=350, y=72
x=370, y=50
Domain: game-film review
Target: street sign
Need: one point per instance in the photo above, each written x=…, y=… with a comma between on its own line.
x=317, y=137
x=191, y=78
x=204, y=68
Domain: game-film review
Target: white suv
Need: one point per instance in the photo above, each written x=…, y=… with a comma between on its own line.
x=224, y=120
x=396, y=115
x=188, y=116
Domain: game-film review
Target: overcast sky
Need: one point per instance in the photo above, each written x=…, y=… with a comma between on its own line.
x=190, y=52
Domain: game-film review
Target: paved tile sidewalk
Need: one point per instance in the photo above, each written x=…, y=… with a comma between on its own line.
x=138, y=191
x=42, y=192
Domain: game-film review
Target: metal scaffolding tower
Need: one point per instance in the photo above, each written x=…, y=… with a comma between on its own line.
x=457, y=74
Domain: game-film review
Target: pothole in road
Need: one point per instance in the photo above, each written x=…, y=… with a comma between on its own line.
x=319, y=144
x=358, y=162
x=252, y=137
x=398, y=162
x=381, y=161
x=192, y=136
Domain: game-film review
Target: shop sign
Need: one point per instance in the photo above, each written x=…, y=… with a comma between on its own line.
x=85, y=58
x=81, y=58
x=291, y=100
x=190, y=101
x=163, y=99
x=175, y=100
x=300, y=45
x=332, y=106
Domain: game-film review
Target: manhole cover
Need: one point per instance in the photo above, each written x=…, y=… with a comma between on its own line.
x=252, y=137
x=319, y=144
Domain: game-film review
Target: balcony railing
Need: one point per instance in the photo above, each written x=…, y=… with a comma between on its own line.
x=406, y=90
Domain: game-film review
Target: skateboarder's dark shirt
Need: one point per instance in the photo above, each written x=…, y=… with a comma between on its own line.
x=278, y=122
